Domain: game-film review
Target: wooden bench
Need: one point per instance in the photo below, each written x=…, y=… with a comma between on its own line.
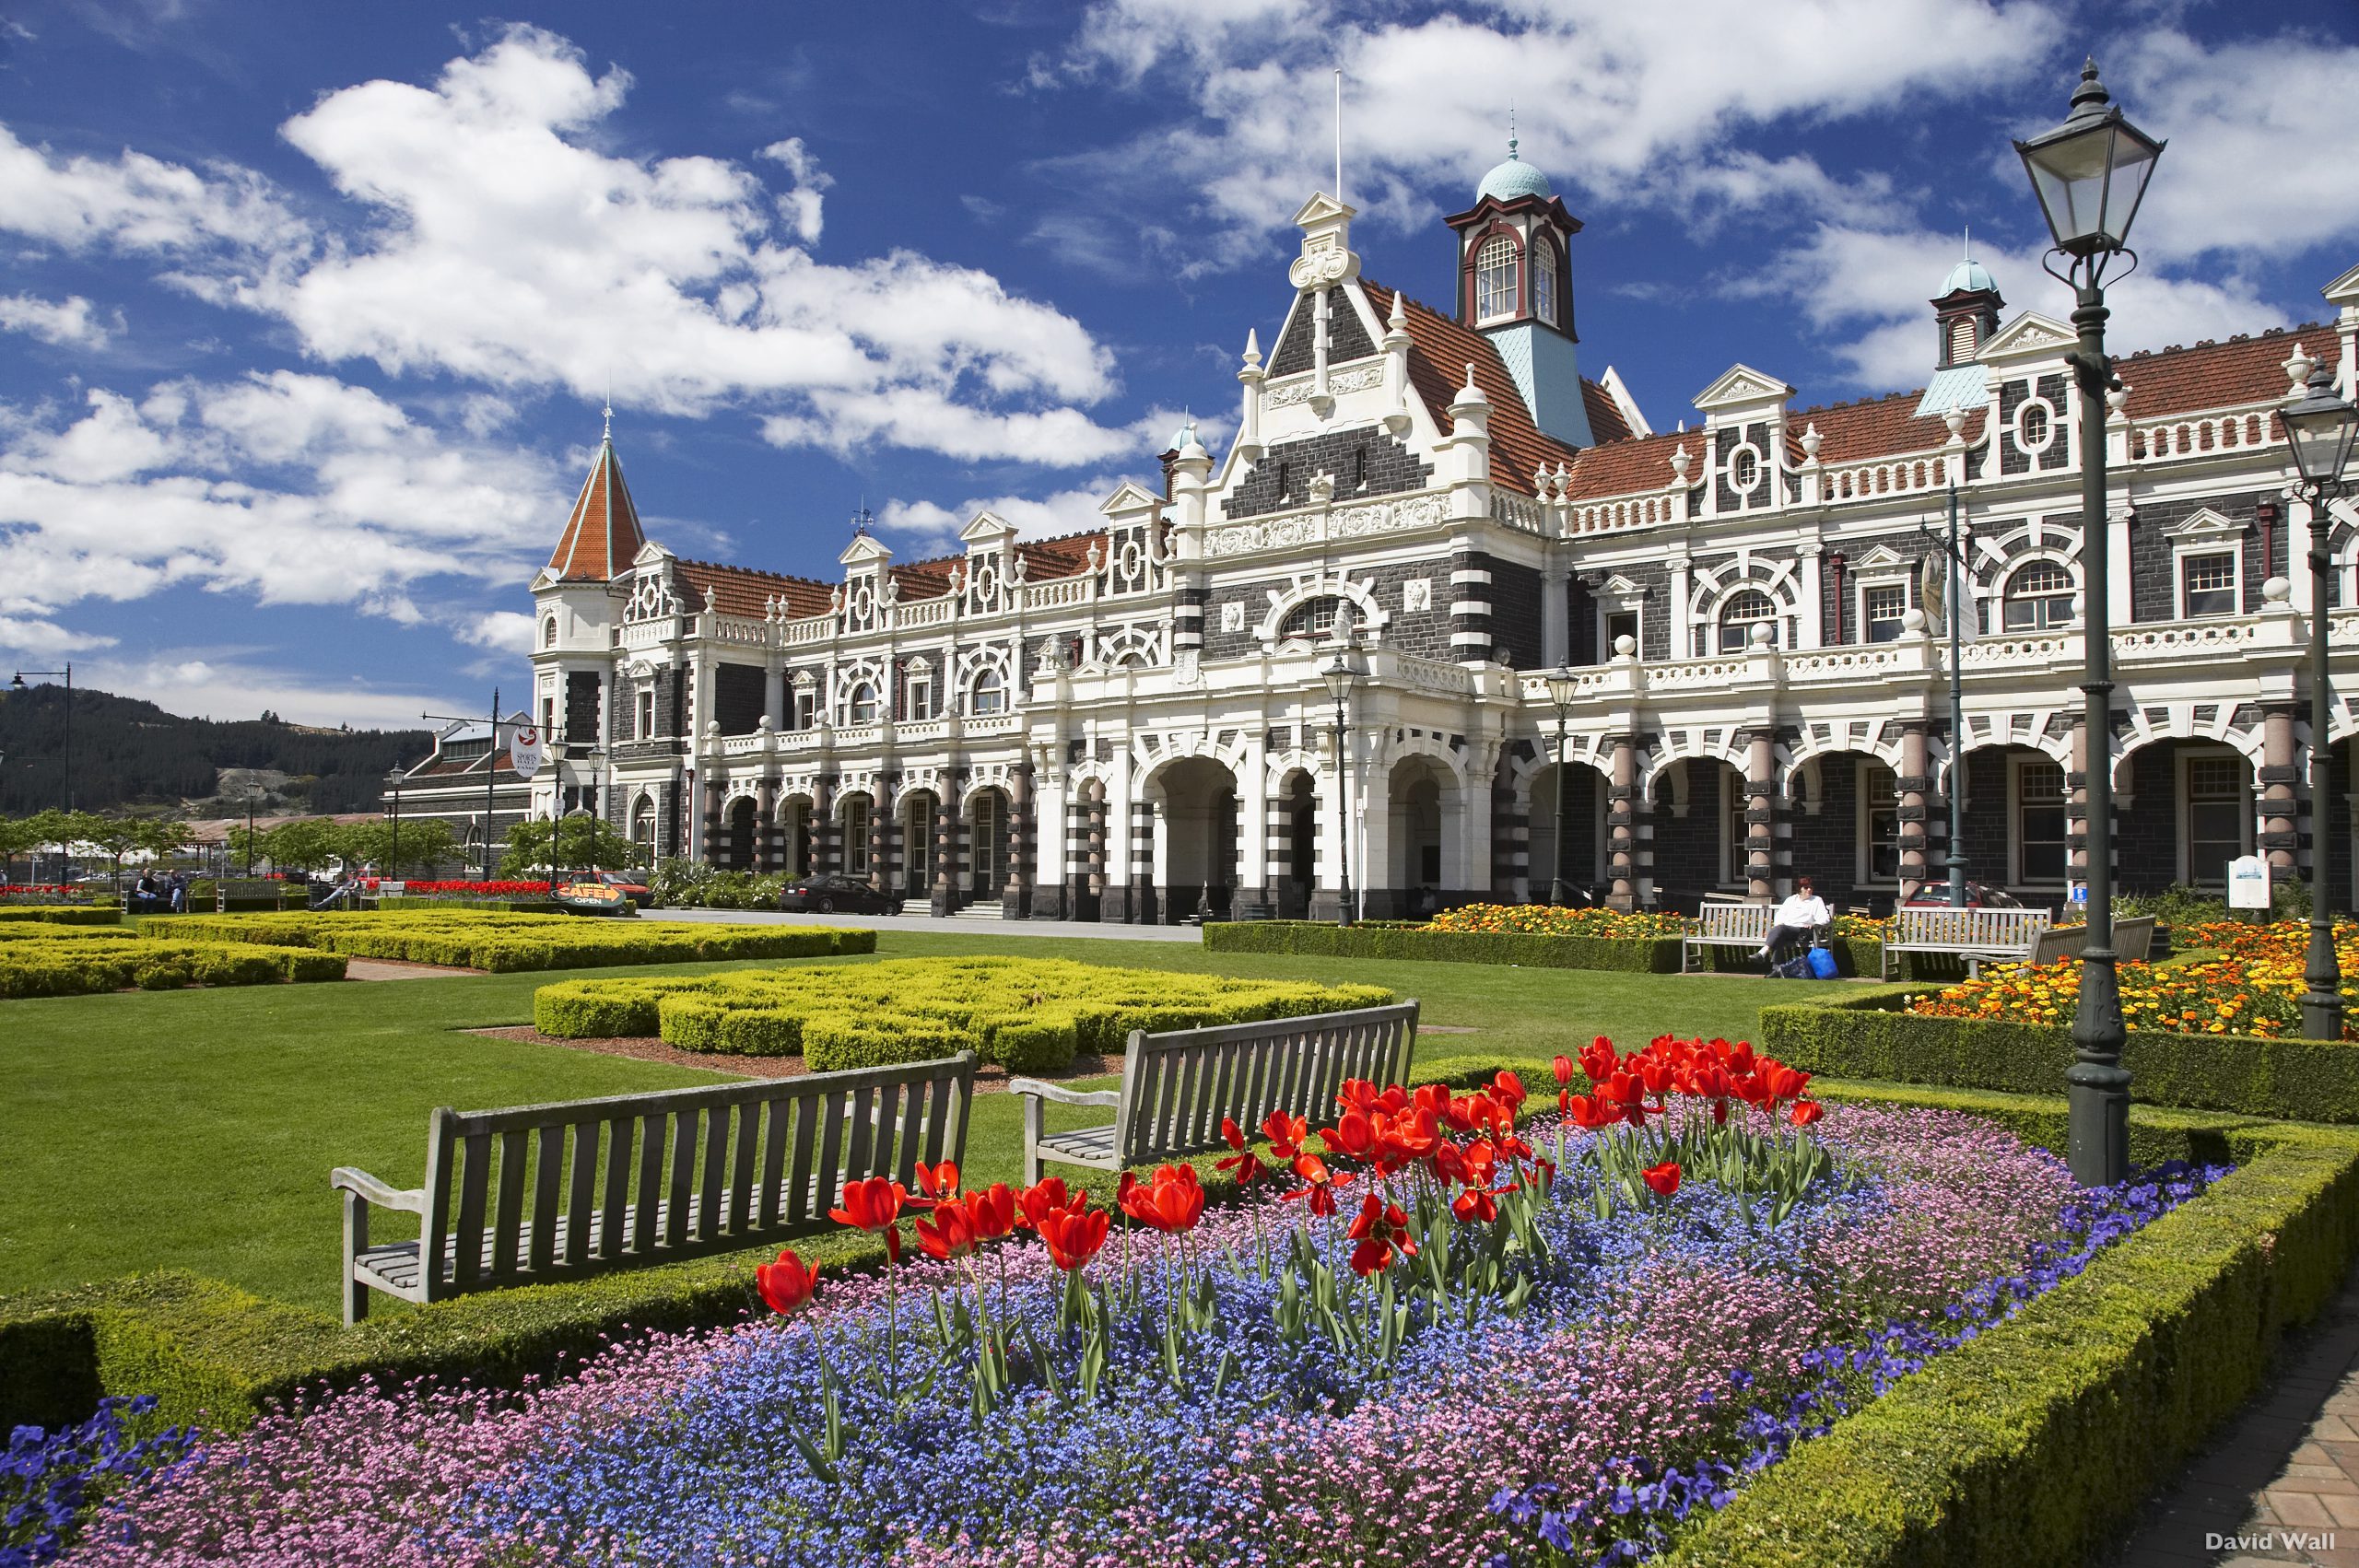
x=1726, y=925
x=585, y=1187
x=2133, y=940
x=1978, y=936
x=1178, y=1088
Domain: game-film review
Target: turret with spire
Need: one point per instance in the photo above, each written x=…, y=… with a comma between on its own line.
x=602, y=535
x=1516, y=289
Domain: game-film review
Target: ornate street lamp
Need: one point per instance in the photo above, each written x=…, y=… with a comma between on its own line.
x=2090, y=173
x=1561, y=682
x=2319, y=427
x=1340, y=676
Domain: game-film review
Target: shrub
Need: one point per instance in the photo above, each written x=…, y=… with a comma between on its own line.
x=50, y=961
x=1318, y=938
x=512, y=943
x=1031, y=1015
x=64, y=915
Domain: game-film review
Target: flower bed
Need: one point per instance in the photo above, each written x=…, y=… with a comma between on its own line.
x=1032, y=1016
x=1552, y=919
x=486, y=889
x=506, y=943
x=41, y=960
x=1640, y=954
x=1442, y=1344
x=2255, y=988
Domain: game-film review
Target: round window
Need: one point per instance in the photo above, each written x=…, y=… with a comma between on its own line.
x=1744, y=469
x=2034, y=424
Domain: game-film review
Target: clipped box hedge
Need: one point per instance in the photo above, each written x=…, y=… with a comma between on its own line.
x=1030, y=1015
x=504, y=943
x=1871, y=1036
x=1318, y=939
x=69, y=961
x=63, y=915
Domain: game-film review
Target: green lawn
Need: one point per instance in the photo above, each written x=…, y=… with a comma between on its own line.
x=197, y=1129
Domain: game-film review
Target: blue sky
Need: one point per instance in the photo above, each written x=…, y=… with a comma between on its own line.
x=307, y=312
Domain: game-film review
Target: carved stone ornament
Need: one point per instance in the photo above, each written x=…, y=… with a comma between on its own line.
x=1232, y=615
x=1416, y=595
x=1322, y=263
x=1287, y=393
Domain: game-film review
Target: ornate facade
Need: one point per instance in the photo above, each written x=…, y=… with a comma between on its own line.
x=1132, y=724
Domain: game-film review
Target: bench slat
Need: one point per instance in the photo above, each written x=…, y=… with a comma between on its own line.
x=825, y=1194
x=650, y=1192
x=621, y=1150
x=741, y=1168
x=582, y=1203
x=682, y=1187
x=548, y=1173
x=716, y=1169
x=474, y=1180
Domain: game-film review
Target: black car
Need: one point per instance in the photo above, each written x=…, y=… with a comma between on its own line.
x=827, y=895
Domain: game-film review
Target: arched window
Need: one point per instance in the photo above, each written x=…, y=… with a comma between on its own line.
x=1313, y=618
x=1495, y=279
x=548, y=632
x=1544, y=280
x=863, y=707
x=2039, y=597
x=989, y=693
x=643, y=823
x=1746, y=609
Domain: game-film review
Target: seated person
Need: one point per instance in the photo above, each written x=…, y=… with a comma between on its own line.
x=1803, y=912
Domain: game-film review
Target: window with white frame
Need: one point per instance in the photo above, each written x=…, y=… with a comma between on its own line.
x=2038, y=597
x=1495, y=279
x=1543, y=279
x=1746, y=609
x=1879, y=791
x=988, y=694
x=1615, y=625
x=2037, y=785
x=644, y=728
x=2207, y=583
x=862, y=709
x=921, y=697
x=2215, y=815
x=856, y=836
x=806, y=707
x=1313, y=618
x=1883, y=606
x=548, y=632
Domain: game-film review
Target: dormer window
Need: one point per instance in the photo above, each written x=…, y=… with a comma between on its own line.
x=1544, y=280
x=1495, y=280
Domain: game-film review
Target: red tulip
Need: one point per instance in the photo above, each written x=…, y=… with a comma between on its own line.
x=1508, y=1089
x=1172, y=1202
x=1356, y=1094
x=1072, y=1237
x=1381, y=1230
x=1589, y=1112
x=1352, y=1135
x=992, y=1211
x=1319, y=1184
x=1662, y=1179
x=1806, y=1112
x=1475, y=1204
x=1046, y=1197
x=1784, y=1082
x=1286, y=1133
x=1564, y=1070
x=871, y=1205
x=937, y=1182
x=950, y=1234
x=786, y=1284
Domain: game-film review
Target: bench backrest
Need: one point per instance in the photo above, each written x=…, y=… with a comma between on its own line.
x=1177, y=1087
x=729, y=1165
x=1982, y=929
x=2133, y=940
x=1737, y=922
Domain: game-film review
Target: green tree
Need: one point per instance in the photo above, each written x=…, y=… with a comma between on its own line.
x=114, y=834
x=247, y=847
x=306, y=844
x=579, y=842
x=425, y=843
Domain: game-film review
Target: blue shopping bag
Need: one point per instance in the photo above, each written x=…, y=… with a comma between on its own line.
x=1822, y=964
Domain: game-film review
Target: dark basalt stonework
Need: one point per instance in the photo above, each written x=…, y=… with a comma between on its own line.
x=1365, y=462
x=1346, y=339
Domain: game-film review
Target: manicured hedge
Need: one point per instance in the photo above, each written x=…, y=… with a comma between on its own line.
x=1030, y=1015
x=1318, y=938
x=1869, y=1037
x=2037, y=1440
x=505, y=943
x=37, y=961
x=64, y=915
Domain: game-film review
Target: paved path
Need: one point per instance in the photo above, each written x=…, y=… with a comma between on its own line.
x=926, y=925
x=2280, y=1483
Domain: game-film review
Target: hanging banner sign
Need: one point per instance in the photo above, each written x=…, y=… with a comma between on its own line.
x=525, y=750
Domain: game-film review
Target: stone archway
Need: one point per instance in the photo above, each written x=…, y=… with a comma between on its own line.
x=740, y=828
x=1576, y=813
x=1418, y=864
x=916, y=812
x=1196, y=838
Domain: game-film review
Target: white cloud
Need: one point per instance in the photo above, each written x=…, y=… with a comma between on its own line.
x=68, y=323
x=46, y=638
x=142, y=205
x=230, y=687
x=800, y=204
x=509, y=631
x=291, y=488
x=931, y=526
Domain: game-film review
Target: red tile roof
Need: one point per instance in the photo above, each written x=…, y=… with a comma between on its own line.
x=1874, y=426
x=2217, y=375
x=602, y=535
x=740, y=590
x=1642, y=462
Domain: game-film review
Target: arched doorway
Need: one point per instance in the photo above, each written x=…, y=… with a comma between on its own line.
x=794, y=831
x=2184, y=808
x=1698, y=806
x=2014, y=817
x=1299, y=799
x=1195, y=839
x=1843, y=817
x=642, y=829
x=1573, y=815
x=738, y=853
x=1414, y=810
x=986, y=844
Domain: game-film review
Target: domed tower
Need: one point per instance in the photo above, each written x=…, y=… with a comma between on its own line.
x=1516, y=288
x=1967, y=312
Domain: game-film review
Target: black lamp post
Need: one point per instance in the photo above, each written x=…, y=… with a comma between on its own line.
x=1340, y=677
x=2319, y=427
x=1560, y=694
x=393, y=852
x=251, y=793
x=2089, y=174
x=65, y=674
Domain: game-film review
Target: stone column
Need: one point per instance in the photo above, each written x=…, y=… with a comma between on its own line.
x=1623, y=805
x=1277, y=837
x=1914, y=782
x=1760, y=814
x=883, y=802
x=1052, y=836
x=2076, y=807
x=712, y=821
x=946, y=806
x=1016, y=899
x=1092, y=885
x=826, y=832
x=1252, y=877
x=1146, y=831
x=2279, y=813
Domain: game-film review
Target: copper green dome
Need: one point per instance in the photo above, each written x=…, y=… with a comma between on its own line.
x=1512, y=179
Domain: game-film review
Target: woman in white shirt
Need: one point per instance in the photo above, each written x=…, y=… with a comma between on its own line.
x=1803, y=912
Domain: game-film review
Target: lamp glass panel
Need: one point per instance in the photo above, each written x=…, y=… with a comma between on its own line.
x=2321, y=440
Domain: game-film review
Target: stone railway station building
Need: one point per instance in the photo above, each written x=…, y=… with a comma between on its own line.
x=1132, y=724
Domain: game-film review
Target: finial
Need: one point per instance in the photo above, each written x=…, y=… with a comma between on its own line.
x=1967, y=253
x=2090, y=98
x=1252, y=348
x=1399, y=317
x=606, y=435
x=1470, y=376
x=1512, y=144
x=863, y=517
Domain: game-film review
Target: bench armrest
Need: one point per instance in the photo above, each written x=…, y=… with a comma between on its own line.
x=345, y=1178
x=1065, y=1096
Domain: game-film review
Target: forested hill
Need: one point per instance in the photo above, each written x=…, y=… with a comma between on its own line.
x=129, y=753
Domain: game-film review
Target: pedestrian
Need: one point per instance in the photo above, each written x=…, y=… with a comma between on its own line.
x=145, y=891
x=1802, y=913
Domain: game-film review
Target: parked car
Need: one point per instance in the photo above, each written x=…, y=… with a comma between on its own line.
x=827, y=894
x=631, y=885
x=1978, y=896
